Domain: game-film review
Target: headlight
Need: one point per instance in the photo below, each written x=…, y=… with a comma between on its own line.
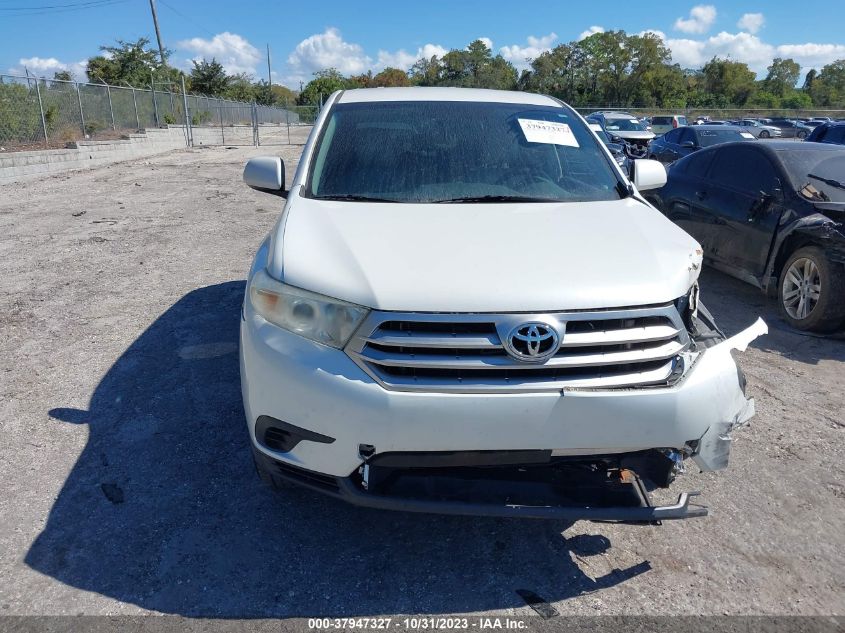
x=316, y=317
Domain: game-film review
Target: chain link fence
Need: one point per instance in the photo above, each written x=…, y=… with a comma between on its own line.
x=38, y=113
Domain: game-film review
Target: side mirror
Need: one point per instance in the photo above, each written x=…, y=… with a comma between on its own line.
x=266, y=174
x=689, y=144
x=648, y=174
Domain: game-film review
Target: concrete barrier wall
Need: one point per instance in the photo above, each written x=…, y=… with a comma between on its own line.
x=22, y=166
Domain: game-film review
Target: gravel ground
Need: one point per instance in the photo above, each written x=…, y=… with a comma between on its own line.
x=127, y=485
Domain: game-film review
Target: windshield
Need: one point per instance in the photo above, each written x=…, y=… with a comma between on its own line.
x=625, y=125
x=444, y=151
x=817, y=175
x=706, y=138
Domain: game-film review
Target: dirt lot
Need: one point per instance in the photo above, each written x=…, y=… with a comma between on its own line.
x=127, y=485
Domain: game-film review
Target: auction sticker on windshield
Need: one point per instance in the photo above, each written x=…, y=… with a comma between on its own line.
x=550, y=132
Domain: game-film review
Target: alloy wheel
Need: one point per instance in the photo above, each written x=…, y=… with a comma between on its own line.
x=801, y=288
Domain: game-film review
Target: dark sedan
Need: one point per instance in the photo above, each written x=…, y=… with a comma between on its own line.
x=828, y=133
x=771, y=214
x=685, y=140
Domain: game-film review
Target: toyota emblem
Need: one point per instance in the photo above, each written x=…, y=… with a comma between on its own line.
x=532, y=342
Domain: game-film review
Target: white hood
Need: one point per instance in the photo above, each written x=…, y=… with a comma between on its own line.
x=486, y=257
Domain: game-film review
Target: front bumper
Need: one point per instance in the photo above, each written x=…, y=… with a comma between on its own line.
x=321, y=389
x=631, y=505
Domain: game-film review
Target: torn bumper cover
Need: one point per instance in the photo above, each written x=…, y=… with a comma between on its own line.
x=714, y=447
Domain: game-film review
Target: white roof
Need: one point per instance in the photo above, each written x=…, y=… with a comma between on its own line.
x=417, y=93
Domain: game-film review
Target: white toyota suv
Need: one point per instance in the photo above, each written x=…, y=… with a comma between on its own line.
x=466, y=307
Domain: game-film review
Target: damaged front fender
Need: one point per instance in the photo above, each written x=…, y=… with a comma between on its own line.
x=734, y=409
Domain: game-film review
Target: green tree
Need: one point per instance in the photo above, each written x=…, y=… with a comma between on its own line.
x=782, y=76
x=63, y=75
x=391, y=77
x=426, y=71
x=733, y=81
x=796, y=100
x=325, y=82
x=130, y=62
x=809, y=79
x=765, y=100
x=240, y=88
x=472, y=67
x=209, y=78
x=828, y=87
x=282, y=94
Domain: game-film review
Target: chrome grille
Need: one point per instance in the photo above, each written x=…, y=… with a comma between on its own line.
x=464, y=353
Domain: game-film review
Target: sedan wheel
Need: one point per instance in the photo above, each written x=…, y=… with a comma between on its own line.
x=801, y=134
x=810, y=290
x=764, y=134
x=801, y=288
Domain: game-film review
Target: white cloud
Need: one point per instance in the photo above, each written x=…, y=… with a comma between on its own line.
x=751, y=22
x=327, y=50
x=404, y=60
x=590, y=31
x=701, y=18
x=46, y=66
x=519, y=56
x=812, y=55
x=747, y=48
x=234, y=52
x=487, y=42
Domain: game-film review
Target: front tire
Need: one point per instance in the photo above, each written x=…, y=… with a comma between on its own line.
x=764, y=134
x=802, y=135
x=810, y=291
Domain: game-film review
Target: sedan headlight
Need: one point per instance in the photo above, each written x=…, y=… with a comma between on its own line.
x=317, y=317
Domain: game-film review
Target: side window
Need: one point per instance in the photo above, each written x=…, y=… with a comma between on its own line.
x=744, y=169
x=836, y=135
x=672, y=136
x=695, y=165
x=687, y=135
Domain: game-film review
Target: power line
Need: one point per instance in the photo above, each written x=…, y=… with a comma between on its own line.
x=42, y=10
x=187, y=17
x=54, y=6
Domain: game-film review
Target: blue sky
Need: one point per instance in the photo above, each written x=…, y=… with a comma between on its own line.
x=356, y=36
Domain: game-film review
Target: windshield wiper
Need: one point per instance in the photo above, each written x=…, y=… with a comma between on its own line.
x=495, y=198
x=355, y=198
x=827, y=181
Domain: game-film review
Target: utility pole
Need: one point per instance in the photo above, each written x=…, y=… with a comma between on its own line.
x=158, y=32
x=269, y=75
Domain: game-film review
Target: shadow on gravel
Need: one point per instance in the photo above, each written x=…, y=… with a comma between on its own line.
x=736, y=305
x=163, y=509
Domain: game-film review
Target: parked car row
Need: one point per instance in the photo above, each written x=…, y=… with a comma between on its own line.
x=682, y=141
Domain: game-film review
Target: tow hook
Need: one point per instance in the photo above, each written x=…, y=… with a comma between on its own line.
x=365, y=476
x=365, y=451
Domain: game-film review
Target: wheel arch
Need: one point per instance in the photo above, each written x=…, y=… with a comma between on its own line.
x=813, y=230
